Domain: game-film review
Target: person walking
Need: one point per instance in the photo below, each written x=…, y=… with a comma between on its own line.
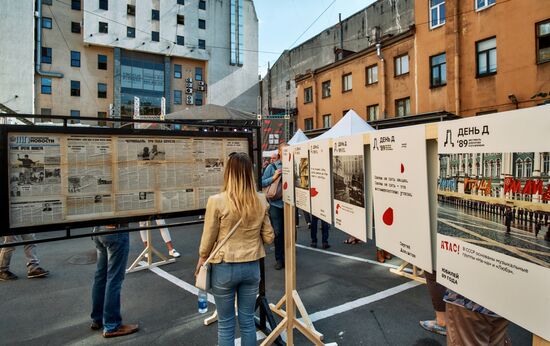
x=236, y=266
x=508, y=218
x=276, y=213
x=164, y=233
x=112, y=257
x=33, y=263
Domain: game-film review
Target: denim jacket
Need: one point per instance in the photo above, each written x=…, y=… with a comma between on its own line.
x=267, y=179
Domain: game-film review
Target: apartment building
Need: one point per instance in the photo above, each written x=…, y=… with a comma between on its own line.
x=462, y=58
x=92, y=57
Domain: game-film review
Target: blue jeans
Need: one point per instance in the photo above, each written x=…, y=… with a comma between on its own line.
x=244, y=280
x=276, y=216
x=324, y=229
x=112, y=255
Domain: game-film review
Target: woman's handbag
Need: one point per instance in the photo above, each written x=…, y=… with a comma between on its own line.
x=202, y=281
x=274, y=191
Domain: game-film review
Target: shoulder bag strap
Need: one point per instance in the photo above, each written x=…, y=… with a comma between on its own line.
x=224, y=240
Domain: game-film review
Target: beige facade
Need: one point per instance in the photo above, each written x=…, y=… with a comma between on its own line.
x=490, y=59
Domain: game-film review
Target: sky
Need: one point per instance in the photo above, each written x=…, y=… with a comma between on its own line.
x=281, y=22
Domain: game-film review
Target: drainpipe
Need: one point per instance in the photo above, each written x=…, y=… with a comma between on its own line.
x=382, y=78
x=457, y=58
x=38, y=69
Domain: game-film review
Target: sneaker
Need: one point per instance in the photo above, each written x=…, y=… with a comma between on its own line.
x=432, y=326
x=7, y=276
x=96, y=325
x=124, y=329
x=174, y=253
x=37, y=272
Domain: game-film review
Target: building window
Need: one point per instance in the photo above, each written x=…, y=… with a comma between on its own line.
x=486, y=57
x=131, y=10
x=327, y=122
x=236, y=36
x=177, y=71
x=75, y=114
x=131, y=32
x=202, y=44
x=202, y=5
x=75, y=88
x=437, y=13
x=45, y=111
x=372, y=112
x=103, y=27
x=403, y=107
x=181, y=2
x=104, y=5
x=47, y=2
x=198, y=73
x=519, y=168
x=372, y=74
x=483, y=4
x=438, y=74
x=198, y=98
x=101, y=115
x=101, y=62
x=308, y=95
x=326, y=89
x=75, y=59
x=308, y=124
x=101, y=90
x=46, y=22
x=543, y=41
x=546, y=164
x=202, y=24
x=528, y=168
x=180, y=40
x=346, y=82
x=75, y=27
x=401, y=65
x=46, y=86
x=75, y=5
x=46, y=55
x=155, y=36
x=180, y=19
x=498, y=168
x=177, y=97
x=155, y=15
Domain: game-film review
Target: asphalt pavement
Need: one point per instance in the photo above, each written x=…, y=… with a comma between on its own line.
x=351, y=298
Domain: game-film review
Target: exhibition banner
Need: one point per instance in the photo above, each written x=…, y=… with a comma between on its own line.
x=301, y=176
x=494, y=194
x=400, y=192
x=57, y=178
x=288, y=174
x=320, y=179
x=348, y=180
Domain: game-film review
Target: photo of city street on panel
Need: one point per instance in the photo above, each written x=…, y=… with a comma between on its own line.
x=499, y=201
x=348, y=179
x=301, y=174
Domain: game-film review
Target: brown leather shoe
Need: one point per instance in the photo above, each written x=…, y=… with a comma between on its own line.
x=124, y=329
x=387, y=255
x=380, y=256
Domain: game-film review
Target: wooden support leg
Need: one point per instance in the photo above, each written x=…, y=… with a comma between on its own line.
x=538, y=341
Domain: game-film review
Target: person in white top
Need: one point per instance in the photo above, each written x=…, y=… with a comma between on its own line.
x=164, y=233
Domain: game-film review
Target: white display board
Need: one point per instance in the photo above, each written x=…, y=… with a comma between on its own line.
x=496, y=160
x=320, y=178
x=400, y=192
x=348, y=181
x=301, y=176
x=288, y=175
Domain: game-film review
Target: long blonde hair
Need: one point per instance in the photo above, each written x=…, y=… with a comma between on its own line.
x=239, y=186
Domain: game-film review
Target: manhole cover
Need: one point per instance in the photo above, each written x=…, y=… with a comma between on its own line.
x=89, y=257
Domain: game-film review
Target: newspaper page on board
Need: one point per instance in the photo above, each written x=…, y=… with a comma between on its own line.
x=493, y=209
x=34, y=170
x=320, y=179
x=89, y=176
x=301, y=176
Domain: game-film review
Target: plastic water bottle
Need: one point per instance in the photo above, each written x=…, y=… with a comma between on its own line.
x=203, y=302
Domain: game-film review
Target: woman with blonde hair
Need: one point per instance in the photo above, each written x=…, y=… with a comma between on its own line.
x=235, y=267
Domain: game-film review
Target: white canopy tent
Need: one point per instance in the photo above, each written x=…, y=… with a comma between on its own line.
x=350, y=124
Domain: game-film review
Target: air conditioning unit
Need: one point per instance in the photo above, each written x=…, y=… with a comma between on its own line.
x=189, y=80
x=200, y=88
x=188, y=85
x=189, y=100
x=188, y=90
x=201, y=83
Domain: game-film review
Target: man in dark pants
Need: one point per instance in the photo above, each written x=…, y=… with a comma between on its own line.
x=276, y=213
x=508, y=218
x=324, y=232
x=112, y=255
